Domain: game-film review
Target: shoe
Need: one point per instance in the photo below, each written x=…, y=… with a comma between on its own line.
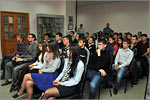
x=6, y=83
x=17, y=96
x=115, y=91
x=14, y=88
x=11, y=89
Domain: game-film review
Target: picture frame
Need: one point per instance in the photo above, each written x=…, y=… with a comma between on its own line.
x=70, y=26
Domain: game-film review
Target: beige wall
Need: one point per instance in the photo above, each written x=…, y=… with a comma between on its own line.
x=122, y=16
x=70, y=11
x=33, y=8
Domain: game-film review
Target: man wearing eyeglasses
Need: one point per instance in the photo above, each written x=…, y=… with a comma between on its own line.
x=19, y=63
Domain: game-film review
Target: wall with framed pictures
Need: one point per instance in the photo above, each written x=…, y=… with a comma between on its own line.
x=51, y=24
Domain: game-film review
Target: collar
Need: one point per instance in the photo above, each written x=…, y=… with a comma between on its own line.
x=126, y=50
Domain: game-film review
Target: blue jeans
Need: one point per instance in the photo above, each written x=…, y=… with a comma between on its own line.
x=120, y=74
x=139, y=68
x=96, y=78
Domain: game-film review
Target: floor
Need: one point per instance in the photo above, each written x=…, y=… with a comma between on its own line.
x=137, y=92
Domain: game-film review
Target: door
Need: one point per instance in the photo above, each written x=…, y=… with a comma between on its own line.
x=12, y=24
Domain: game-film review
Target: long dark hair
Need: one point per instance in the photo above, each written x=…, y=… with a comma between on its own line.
x=113, y=40
x=54, y=49
x=42, y=52
x=74, y=49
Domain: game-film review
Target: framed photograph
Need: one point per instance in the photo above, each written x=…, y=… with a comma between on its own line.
x=70, y=26
x=70, y=19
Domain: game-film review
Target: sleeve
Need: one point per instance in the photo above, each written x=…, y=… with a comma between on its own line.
x=104, y=62
x=128, y=60
x=115, y=48
x=21, y=48
x=33, y=55
x=52, y=67
x=62, y=73
x=77, y=76
x=40, y=65
x=36, y=63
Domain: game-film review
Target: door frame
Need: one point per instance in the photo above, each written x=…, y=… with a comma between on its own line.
x=2, y=30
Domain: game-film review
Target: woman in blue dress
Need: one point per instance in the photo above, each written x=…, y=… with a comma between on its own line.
x=47, y=74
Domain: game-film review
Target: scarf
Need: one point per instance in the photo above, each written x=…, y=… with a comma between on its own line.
x=67, y=72
x=49, y=57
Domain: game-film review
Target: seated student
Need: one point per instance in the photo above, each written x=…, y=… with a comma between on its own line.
x=75, y=41
x=59, y=40
x=115, y=47
x=33, y=68
x=91, y=47
x=66, y=42
x=137, y=50
x=122, y=60
x=47, y=73
x=99, y=68
x=109, y=47
x=84, y=52
x=72, y=35
x=66, y=83
x=21, y=45
x=46, y=38
x=116, y=36
x=120, y=40
x=129, y=36
x=12, y=68
x=145, y=56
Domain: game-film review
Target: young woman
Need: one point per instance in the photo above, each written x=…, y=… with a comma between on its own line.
x=120, y=41
x=47, y=74
x=40, y=62
x=33, y=68
x=76, y=39
x=66, y=83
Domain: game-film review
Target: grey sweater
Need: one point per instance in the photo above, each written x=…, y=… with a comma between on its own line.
x=51, y=66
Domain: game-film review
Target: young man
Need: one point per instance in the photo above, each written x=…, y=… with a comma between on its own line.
x=107, y=29
x=99, y=68
x=116, y=36
x=59, y=40
x=21, y=45
x=81, y=30
x=66, y=42
x=84, y=52
x=72, y=35
x=137, y=50
x=122, y=60
x=12, y=68
x=146, y=50
x=46, y=38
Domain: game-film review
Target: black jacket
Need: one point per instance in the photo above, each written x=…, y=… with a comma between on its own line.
x=100, y=62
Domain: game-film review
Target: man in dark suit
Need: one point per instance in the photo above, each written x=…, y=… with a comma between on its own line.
x=12, y=68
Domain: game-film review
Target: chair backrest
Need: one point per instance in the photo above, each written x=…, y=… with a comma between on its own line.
x=81, y=85
x=110, y=65
x=59, y=70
